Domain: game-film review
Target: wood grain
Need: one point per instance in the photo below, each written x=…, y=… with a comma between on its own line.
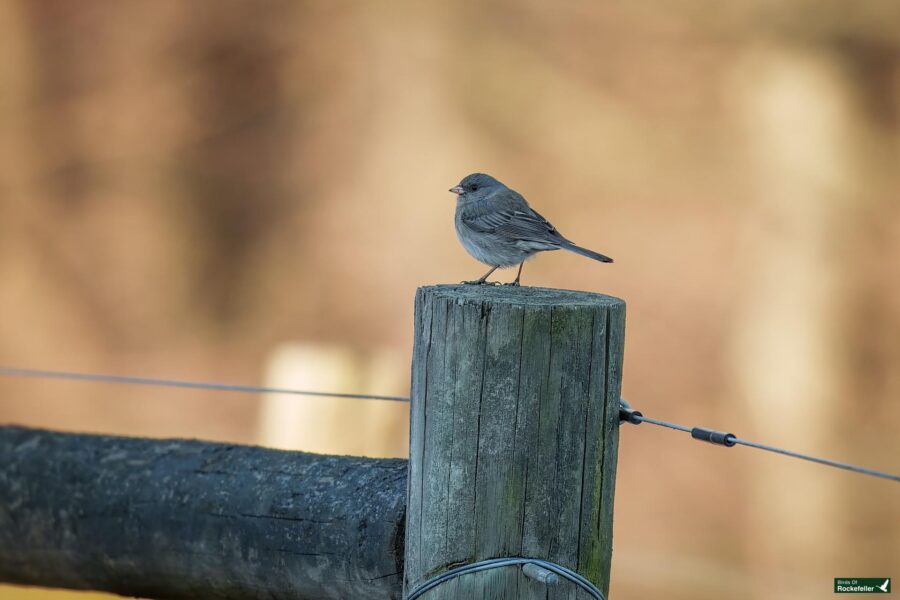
x=187, y=519
x=514, y=433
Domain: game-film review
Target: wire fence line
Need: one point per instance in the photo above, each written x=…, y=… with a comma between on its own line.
x=821, y=461
x=180, y=383
x=721, y=438
x=626, y=413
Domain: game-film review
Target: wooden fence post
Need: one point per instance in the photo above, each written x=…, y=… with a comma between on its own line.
x=513, y=436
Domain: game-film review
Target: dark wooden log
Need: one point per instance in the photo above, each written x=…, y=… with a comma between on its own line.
x=188, y=519
x=514, y=436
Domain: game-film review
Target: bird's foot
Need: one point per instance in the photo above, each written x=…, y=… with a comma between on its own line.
x=513, y=283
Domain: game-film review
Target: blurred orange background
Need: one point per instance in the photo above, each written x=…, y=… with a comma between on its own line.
x=250, y=192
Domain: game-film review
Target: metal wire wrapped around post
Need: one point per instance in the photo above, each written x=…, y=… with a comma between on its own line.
x=495, y=563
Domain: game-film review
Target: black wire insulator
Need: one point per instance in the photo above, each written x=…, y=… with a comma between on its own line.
x=626, y=413
x=713, y=437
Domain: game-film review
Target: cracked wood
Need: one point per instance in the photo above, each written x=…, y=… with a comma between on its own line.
x=187, y=519
x=514, y=434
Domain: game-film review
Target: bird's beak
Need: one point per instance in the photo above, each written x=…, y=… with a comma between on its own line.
x=457, y=190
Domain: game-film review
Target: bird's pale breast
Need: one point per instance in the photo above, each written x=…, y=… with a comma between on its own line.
x=490, y=248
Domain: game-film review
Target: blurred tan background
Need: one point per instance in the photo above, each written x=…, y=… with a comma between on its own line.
x=250, y=192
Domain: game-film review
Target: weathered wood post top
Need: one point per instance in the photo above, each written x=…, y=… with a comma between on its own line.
x=513, y=436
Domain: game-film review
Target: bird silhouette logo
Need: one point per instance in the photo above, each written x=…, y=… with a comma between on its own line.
x=884, y=587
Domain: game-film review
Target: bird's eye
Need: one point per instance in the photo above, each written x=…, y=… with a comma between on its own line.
x=474, y=187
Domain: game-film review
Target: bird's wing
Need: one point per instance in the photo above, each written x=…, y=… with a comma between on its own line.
x=521, y=225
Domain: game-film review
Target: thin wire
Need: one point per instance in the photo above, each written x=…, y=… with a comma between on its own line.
x=821, y=461
x=664, y=424
x=494, y=563
x=177, y=383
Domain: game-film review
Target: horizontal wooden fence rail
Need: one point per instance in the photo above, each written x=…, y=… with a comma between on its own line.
x=187, y=519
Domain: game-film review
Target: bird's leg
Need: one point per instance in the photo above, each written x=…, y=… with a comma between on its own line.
x=515, y=281
x=483, y=279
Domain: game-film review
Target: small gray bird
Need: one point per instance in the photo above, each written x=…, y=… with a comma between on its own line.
x=497, y=227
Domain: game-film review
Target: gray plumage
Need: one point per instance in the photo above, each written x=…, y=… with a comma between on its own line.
x=497, y=227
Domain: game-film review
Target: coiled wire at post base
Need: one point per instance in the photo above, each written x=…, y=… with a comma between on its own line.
x=495, y=563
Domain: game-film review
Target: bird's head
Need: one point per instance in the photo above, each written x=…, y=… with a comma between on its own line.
x=476, y=185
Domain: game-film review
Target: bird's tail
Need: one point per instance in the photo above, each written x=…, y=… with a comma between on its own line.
x=585, y=252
